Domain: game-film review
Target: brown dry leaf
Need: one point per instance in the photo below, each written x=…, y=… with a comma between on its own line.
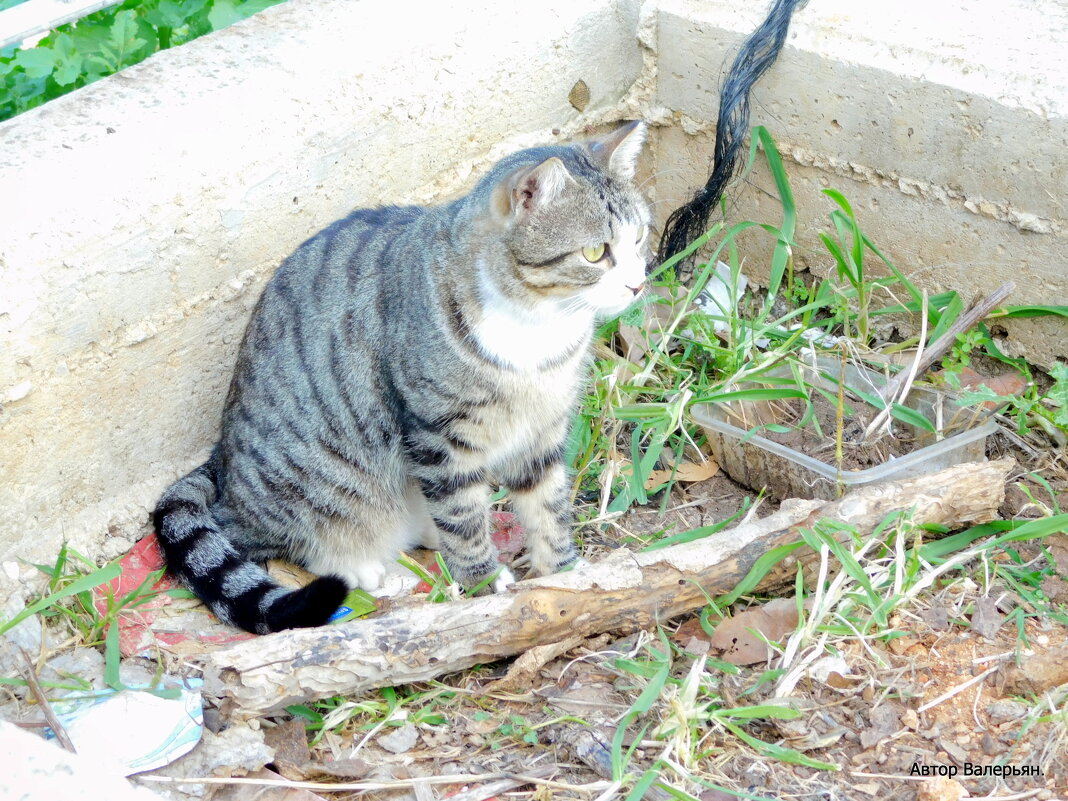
x=1004, y=384
x=736, y=641
x=689, y=472
x=290, y=743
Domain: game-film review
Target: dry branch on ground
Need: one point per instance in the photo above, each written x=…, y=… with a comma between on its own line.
x=624, y=592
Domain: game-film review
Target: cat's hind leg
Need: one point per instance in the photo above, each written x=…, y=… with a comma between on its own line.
x=361, y=547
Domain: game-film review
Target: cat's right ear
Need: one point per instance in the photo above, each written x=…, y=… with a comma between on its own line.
x=528, y=188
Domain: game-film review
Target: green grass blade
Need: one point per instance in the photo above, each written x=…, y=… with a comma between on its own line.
x=761, y=567
x=766, y=394
x=911, y=417
x=698, y=533
x=1030, y=311
x=782, y=254
x=643, y=704
x=759, y=712
x=788, y=755
x=1035, y=529
x=641, y=787
x=112, y=656
x=951, y=310
x=80, y=584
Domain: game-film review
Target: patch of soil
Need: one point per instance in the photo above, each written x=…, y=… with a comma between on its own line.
x=688, y=506
x=816, y=435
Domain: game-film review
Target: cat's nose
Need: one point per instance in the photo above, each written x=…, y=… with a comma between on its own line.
x=637, y=289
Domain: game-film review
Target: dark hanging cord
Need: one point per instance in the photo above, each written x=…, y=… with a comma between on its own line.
x=757, y=55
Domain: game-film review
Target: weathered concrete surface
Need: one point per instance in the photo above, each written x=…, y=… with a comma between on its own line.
x=946, y=127
x=139, y=217
x=142, y=215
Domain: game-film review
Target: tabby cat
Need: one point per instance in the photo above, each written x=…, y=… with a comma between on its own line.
x=396, y=364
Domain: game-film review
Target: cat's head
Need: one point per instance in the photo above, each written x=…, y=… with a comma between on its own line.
x=573, y=225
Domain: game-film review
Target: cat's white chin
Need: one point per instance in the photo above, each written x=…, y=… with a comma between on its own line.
x=606, y=311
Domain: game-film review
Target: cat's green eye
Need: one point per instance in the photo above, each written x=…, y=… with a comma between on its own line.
x=594, y=253
x=639, y=237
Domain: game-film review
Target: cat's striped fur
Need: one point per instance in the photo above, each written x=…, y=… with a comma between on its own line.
x=396, y=364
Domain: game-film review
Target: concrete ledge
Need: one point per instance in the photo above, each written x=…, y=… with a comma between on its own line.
x=946, y=127
x=143, y=214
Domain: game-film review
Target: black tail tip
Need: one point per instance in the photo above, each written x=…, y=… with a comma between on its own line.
x=312, y=605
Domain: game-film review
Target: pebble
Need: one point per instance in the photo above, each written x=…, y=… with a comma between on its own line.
x=86, y=664
x=400, y=741
x=1001, y=711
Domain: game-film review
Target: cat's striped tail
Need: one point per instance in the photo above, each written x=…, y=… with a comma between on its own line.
x=235, y=588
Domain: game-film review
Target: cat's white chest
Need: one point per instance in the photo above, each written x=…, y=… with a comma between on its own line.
x=528, y=339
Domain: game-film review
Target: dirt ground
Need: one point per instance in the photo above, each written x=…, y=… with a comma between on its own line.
x=968, y=679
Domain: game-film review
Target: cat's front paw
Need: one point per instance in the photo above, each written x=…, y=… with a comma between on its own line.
x=504, y=580
x=550, y=562
x=369, y=576
x=578, y=564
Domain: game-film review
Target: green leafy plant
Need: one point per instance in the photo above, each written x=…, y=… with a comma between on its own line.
x=102, y=43
x=683, y=348
x=80, y=595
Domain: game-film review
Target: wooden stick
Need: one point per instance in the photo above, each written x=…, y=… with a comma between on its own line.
x=533, y=776
x=937, y=349
x=624, y=592
x=30, y=675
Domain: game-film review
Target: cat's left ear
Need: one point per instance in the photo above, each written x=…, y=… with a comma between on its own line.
x=531, y=187
x=618, y=151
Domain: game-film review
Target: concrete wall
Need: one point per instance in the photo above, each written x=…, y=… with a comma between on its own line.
x=944, y=124
x=142, y=215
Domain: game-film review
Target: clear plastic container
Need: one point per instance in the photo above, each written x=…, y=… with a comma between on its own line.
x=759, y=462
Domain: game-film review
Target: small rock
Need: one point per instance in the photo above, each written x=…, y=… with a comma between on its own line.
x=86, y=664
x=27, y=634
x=757, y=772
x=940, y=789
x=991, y=747
x=114, y=547
x=1001, y=711
x=986, y=620
x=400, y=741
x=137, y=672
